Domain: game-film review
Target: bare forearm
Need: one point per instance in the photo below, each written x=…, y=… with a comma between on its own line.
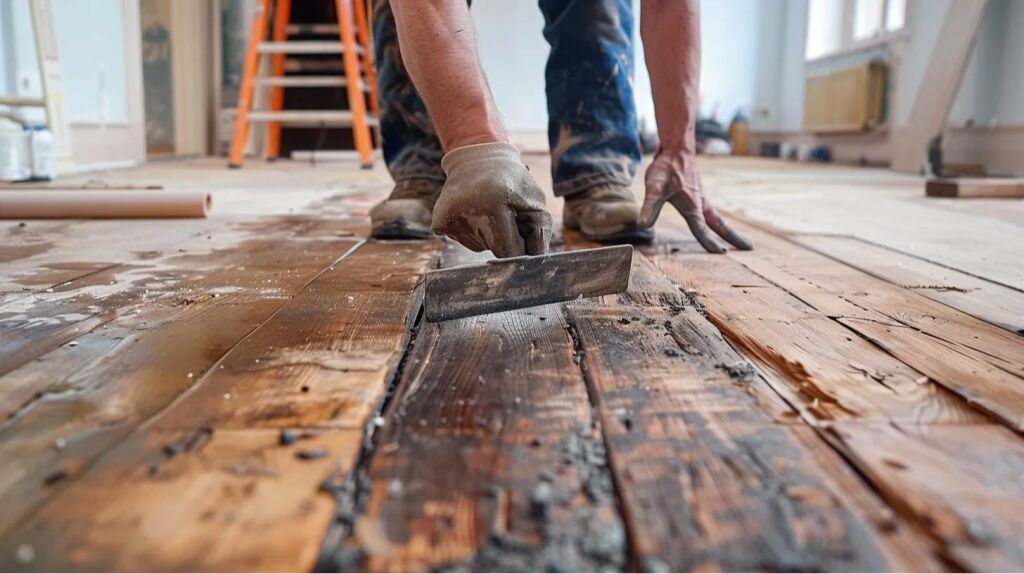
x=438, y=44
x=671, y=35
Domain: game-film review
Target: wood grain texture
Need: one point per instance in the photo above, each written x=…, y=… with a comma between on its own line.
x=129, y=369
x=206, y=500
x=985, y=300
x=345, y=330
x=325, y=358
x=961, y=484
x=488, y=459
x=707, y=481
x=974, y=359
x=817, y=363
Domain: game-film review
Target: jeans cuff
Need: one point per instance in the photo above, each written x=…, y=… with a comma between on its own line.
x=586, y=181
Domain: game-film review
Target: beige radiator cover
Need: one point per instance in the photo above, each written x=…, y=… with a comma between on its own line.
x=847, y=100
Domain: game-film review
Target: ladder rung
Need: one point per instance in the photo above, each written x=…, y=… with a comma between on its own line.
x=313, y=118
x=306, y=82
x=16, y=101
x=312, y=29
x=324, y=47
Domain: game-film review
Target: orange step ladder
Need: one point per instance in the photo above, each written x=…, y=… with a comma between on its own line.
x=359, y=77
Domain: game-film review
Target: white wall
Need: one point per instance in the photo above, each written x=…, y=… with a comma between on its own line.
x=91, y=47
x=513, y=52
x=989, y=94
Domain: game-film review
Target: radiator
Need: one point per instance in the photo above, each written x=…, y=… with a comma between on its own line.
x=847, y=100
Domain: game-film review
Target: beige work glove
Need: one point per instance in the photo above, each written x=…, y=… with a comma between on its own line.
x=490, y=201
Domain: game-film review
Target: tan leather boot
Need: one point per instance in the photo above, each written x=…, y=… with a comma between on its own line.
x=406, y=214
x=605, y=213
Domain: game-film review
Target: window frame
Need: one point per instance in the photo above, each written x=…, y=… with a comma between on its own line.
x=848, y=45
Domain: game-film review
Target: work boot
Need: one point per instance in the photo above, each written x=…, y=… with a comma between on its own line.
x=606, y=213
x=407, y=212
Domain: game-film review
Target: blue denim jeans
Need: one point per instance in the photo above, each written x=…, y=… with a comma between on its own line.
x=591, y=113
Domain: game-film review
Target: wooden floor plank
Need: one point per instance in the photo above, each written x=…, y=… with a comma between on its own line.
x=977, y=297
x=488, y=459
x=830, y=372
x=129, y=369
x=980, y=362
x=707, y=480
x=208, y=500
x=342, y=341
x=325, y=358
x=961, y=483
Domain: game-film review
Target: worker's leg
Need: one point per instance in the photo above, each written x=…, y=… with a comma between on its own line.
x=592, y=128
x=412, y=151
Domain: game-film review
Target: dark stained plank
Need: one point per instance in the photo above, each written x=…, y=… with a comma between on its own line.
x=204, y=500
x=988, y=301
x=323, y=359
x=817, y=363
x=961, y=483
x=487, y=458
x=143, y=361
x=707, y=481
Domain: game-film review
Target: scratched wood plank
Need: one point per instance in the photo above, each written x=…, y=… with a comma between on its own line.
x=324, y=359
x=210, y=499
x=977, y=297
x=976, y=360
x=817, y=363
x=960, y=483
x=707, y=481
x=488, y=459
x=142, y=362
x=37, y=322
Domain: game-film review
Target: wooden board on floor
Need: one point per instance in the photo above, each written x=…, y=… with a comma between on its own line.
x=985, y=300
x=346, y=339
x=144, y=361
x=961, y=483
x=982, y=363
x=977, y=187
x=703, y=473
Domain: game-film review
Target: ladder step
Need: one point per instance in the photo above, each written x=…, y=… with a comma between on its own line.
x=306, y=82
x=313, y=118
x=18, y=101
x=312, y=29
x=312, y=47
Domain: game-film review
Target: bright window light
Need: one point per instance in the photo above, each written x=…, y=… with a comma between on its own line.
x=867, y=18
x=824, y=28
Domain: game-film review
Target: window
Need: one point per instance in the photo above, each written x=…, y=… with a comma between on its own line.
x=835, y=26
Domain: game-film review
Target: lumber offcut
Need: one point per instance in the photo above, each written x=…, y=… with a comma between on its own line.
x=103, y=204
x=975, y=187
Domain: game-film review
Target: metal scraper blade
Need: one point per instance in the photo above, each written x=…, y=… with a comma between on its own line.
x=518, y=282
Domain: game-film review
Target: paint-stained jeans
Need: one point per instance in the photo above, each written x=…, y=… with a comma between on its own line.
x=591, y=113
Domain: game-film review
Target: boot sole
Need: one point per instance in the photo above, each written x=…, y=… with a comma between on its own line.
x=629, y=234
x=399, y=229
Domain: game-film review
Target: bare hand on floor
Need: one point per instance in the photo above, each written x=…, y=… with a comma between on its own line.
x=674, y=178
x=490, y=201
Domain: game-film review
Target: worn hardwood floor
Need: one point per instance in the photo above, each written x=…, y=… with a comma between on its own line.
x=257, y=391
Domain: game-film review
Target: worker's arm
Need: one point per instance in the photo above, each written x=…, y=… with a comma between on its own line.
x=671, y=35
x=489, y=200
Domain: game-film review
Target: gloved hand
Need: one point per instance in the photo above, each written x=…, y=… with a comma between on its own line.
x=490, y=201
x=674, y=178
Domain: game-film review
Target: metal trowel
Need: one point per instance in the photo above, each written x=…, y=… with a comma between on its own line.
x=519, y=282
